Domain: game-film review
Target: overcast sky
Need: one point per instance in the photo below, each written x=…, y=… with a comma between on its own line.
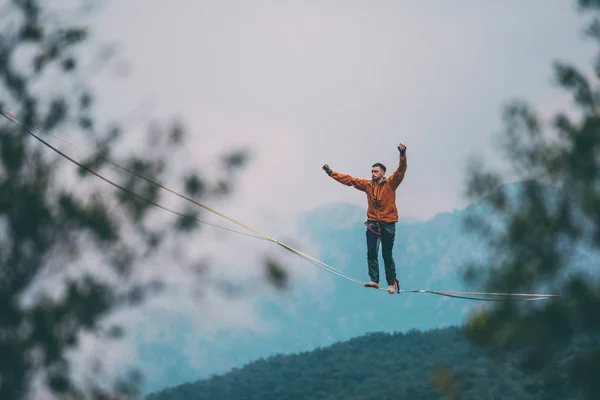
x=340, y=82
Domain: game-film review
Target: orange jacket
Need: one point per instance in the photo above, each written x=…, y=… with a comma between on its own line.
x=381, y=197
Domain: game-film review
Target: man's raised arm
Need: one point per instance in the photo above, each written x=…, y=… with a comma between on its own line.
x=398, y=176
x=360, y=184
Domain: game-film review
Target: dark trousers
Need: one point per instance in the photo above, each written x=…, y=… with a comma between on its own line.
x=384, y=233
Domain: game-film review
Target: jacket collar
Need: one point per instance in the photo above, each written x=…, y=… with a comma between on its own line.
x=383, y=180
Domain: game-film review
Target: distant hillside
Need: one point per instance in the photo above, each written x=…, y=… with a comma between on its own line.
x=375, y=366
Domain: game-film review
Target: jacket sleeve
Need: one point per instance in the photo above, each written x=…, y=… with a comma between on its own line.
x=360, y=184
x=398, y=176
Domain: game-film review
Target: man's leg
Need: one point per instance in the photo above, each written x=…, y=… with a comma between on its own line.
x=388, y=235
x=373, y=253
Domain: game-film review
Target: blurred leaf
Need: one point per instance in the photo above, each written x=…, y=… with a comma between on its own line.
x=32, y=32
x=85, y=122
x=222, y=188
x=593, y=29
x=584, y=371
x=188, y=222
x=59, y=382
x=568, y=77
x=177, y=134
x=39, y=62
x=72, y=36
x=236, y=159
x=194, y=187
x=589, y=4
x=443, y=380
x=56, y=114
x=85, y=101
x=69, y=64
x=276, y=274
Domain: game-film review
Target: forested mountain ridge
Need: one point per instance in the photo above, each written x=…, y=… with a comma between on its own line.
x=413, y=366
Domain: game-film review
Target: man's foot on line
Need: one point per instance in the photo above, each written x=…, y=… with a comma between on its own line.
x=372, y=284
x=391, y=289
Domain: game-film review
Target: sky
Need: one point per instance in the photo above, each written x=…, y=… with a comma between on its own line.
x=306, y=83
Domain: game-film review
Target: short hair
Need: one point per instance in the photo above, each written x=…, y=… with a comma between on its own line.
x=380, y=165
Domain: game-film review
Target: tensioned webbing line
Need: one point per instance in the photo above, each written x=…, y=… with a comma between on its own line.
x=262, y=235
x=11, y=117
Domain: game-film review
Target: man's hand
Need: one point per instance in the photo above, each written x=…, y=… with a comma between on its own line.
x=327, y=169
x=402, y=149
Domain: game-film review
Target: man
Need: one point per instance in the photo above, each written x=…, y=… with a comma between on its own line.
x=382, y=215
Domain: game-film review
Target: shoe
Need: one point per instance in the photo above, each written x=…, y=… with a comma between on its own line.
x=372, y=285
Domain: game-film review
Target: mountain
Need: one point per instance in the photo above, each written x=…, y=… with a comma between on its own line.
x=429, y=255
x=412, y=366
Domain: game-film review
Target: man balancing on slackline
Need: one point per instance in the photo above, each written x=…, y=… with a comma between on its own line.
x=382, y=216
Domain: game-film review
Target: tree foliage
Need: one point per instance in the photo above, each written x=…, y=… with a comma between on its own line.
x=73, y=250
x=542, y=229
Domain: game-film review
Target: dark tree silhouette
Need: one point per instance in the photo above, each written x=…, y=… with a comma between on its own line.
x=549, y=237
x=68, y=258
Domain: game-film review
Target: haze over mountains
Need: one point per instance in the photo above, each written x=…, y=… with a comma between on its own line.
x=429, y=255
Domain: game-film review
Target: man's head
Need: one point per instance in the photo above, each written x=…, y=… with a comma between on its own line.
x=377, y=171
